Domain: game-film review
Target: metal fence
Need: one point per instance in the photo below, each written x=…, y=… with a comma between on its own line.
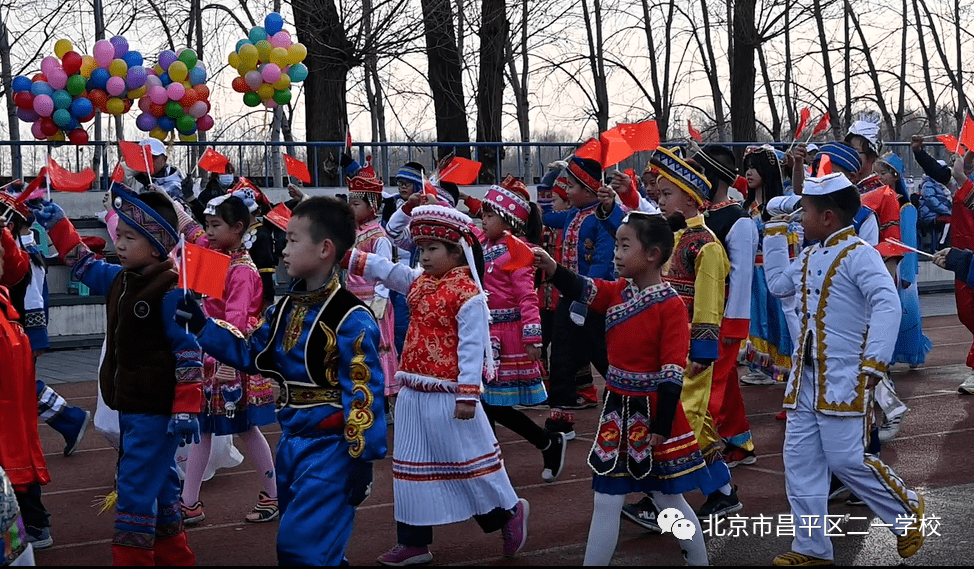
x=261, y=161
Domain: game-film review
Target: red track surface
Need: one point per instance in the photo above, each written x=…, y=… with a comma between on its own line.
x=931, y=453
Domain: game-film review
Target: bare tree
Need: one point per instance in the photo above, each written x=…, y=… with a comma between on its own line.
x=494, y=31
x=446, y=82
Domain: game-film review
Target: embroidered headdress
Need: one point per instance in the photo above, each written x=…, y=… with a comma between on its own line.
x=364, y=185
x=510, y=201
x=587, y=172
x=677, y=170
x=143, y=219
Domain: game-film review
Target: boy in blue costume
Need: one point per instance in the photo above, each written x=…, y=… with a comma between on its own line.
x=151, y=374
x=320, y=343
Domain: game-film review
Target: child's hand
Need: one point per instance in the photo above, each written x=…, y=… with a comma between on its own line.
x=696, y=368
x=413, y=201
x=295, y=192
x=465, y=410
x=608, y=197
x=620, y=181
x=534, y=352
x=655, y=439
x=940, y=258
x=543, y=261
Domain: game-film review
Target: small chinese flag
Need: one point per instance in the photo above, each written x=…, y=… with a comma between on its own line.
x=279, y=216
x=592, y=149
x=824, y=166
x=348, y=140
x=297, y=168
x=65, y=180
x=429, y=189
x=615, y=149
x=461, y=171
x=34, y=189
x=823, y=125
x=138, y=158
x=521, y=254
x=806, y=114
x=951, y=143
x=694, y=133
x=206, y=270
x=118, y=174
x=640, y=136
x=213, y=161
x=967, y=133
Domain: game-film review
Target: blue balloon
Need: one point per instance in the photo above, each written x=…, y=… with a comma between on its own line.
x=81, y=107
x=197, y=76
x=165, y=123
x=99, y=78
x=165, y=79
x=62, y=117
x=41, y=88
x=242, y=43
x=298, y=72
x=273, y=23
x=20, y=83
x=73, y=124
x=257, y=33
x=132, y=59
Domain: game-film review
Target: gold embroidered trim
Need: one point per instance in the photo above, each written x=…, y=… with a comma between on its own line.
x=795, y=382
x=776, y=230
x=230, y=327
x=330, y=359
x=360, y=417
x=295, y=323
x=874, y=366
x=836, y=237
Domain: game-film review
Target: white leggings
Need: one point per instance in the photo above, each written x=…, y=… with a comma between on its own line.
x=603, y=534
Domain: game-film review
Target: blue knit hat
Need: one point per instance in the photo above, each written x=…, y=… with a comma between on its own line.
x=410, y=172
x=136, y=214
x=842, y=155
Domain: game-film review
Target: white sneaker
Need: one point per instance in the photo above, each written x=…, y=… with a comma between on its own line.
x=889, y=429
x=968, y=386
x=757, y=378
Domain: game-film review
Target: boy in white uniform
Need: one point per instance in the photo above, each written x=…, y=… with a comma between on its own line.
x=848, y=306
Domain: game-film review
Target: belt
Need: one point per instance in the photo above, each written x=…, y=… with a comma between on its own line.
x=310, y=396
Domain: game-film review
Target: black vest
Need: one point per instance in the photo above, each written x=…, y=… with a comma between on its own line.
x=722, y=219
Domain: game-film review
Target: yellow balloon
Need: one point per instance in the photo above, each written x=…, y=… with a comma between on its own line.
x=158, y=133
x=234, y=60
x=283, y=83
x=264, y=51
x=88, y=64
x=296, y=53
x=265, y=91
x=178, y=71
x=61, y=47
x=56, y=137
x=279, y=56
x=137, y=93
x=118, y=68
x=115, y=106
x=159, y=69
x=188, y=138
x=247, y=51
x=187, y=84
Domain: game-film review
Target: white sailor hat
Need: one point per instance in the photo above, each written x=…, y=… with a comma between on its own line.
x=826, y=185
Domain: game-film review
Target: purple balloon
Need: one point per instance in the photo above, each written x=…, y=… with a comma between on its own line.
x=121, y=46
x=145, y=122
x=27, y=115
x=197, y=110
x=166, y=58
x=136, y=77
x=43, y=105
x=153, y=81
x=35, y=129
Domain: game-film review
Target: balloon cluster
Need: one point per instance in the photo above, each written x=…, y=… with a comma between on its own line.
x=115, y=75
x=268, y=63
x=176, y=98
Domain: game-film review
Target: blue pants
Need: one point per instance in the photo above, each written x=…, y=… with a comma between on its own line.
x=402, y=318
x=316, y=519
x=148, y=482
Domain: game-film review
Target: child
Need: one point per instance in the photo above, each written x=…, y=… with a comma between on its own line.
x=446, y=465
x=16, y=549
x=364, y=196
x=515, y=328
x=21, y=455
x=235, y=402
x=850, y=305
x=643, y=384
x=151, y=374
x=551, y=190
x=320, y=344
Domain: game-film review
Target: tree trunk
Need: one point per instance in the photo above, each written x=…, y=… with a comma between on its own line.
x=769, y=92
x=743, y=77
x=330, y=57
x=13, y=123
x=901, y=108
x=931, y=107
x=661, y=101
x=593, y=34
x=873, y=72
x=519, y=85
x=847, y=63
x=789, y=104
x=494, y=30
x=962, y=105
x=960, y=64
x=827, y=68
x=445, y=77
x=710, y=67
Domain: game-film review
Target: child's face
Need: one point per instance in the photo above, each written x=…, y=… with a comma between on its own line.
x=674, y=200
x=406, y=189
x=578, y=195
x=221, y=235
x=435, y=258
x=754, y=180
x=632, y=259
x=886, y=174
x=816, y=222
x=302, y=256
x=649, y=182
x=494, y=225
x=134, y=250
x=558, y=204
x=362, y=211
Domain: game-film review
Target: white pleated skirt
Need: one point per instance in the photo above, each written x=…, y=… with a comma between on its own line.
x=445, y=470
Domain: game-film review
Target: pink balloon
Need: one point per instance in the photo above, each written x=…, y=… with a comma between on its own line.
x=104, y=52
x=150, y=70
x=253, y=79
x=57, y=78
x=270, y=103
x=176, y=91
x=115, y=86
x=152, y=80
x=158, y=95
x=144, y=103
x=49, y=64
x=197, y=110
x=43, y=105
x=205, y=123
x=35, y=129
x=281, y=39
x=271, y=73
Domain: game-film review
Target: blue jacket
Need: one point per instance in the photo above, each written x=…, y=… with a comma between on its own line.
x=588, y=246
x=934, y=201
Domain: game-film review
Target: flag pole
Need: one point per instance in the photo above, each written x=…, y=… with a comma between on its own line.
x=182, y=269
x=47, y=174
x=899, y=243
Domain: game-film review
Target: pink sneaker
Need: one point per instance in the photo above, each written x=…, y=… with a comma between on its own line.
x=515, y=531
x=405, y=555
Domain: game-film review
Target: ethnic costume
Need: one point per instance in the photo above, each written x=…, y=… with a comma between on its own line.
x=321, y=347
x=151, y=372
x=849, y=305
x=912, y=345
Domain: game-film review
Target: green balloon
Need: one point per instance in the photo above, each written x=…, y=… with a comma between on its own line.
x=185, y=123
x=282, y=96
x=251, y=99
x=76, y=84
x=174, y=110
x=188, y=57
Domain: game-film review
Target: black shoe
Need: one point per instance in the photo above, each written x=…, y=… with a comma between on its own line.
x=563, y=427
x=836, y=489
x=643, y=514
x=718, y=505
x=581, y=403
x=554, y=456
x=854, y=500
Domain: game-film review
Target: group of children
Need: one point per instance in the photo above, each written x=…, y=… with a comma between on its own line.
x=660, y=286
